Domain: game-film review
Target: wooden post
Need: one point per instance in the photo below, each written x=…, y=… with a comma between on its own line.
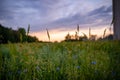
x=116, y=19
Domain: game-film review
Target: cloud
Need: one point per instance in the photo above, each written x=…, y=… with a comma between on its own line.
x=54, y=13
x=96, y=17
x=103, y=13
x=101, y=10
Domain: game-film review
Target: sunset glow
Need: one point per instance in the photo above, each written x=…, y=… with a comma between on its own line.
x=58, y=35
x=58, y=16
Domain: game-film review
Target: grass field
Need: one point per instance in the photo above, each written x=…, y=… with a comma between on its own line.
x=60, y=61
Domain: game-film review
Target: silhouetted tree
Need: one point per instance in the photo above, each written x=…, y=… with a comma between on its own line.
x=108, y=37
x=67, y=37
x=32, y=39
x=22, y=34
x=10, y=35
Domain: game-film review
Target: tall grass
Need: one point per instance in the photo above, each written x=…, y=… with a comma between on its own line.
x=104, y=33
x=28, y=30
x=60, y=61
x=48, y=34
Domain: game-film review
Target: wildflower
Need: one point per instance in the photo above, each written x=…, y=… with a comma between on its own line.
x=19, y=72
x=93, y=62
x=113, y=73
x=78, y=67
x=25, y=70
x=104, y=71
x=10, y=73
x=37, y=68
x=96, y=72
x=74, y=56
x=57, y=68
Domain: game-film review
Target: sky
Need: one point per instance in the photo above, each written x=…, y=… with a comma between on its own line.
x=58, y=16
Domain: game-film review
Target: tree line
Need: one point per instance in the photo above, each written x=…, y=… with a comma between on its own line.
x=91, y=37
x=15, y=36
x=69, y=38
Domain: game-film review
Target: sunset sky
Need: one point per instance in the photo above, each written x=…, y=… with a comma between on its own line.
x=58, y=16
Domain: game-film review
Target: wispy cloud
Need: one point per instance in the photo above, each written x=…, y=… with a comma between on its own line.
x=99, y=16
x=54, y=13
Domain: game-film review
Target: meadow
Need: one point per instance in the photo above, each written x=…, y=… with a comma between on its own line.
x=87, y=60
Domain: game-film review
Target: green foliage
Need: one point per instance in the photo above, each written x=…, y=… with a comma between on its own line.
x=14, y=36
x=60, y=61
x=22, y=34
x=7, y=34
x=32, y=39
x=108, y=37
x=22, y=31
